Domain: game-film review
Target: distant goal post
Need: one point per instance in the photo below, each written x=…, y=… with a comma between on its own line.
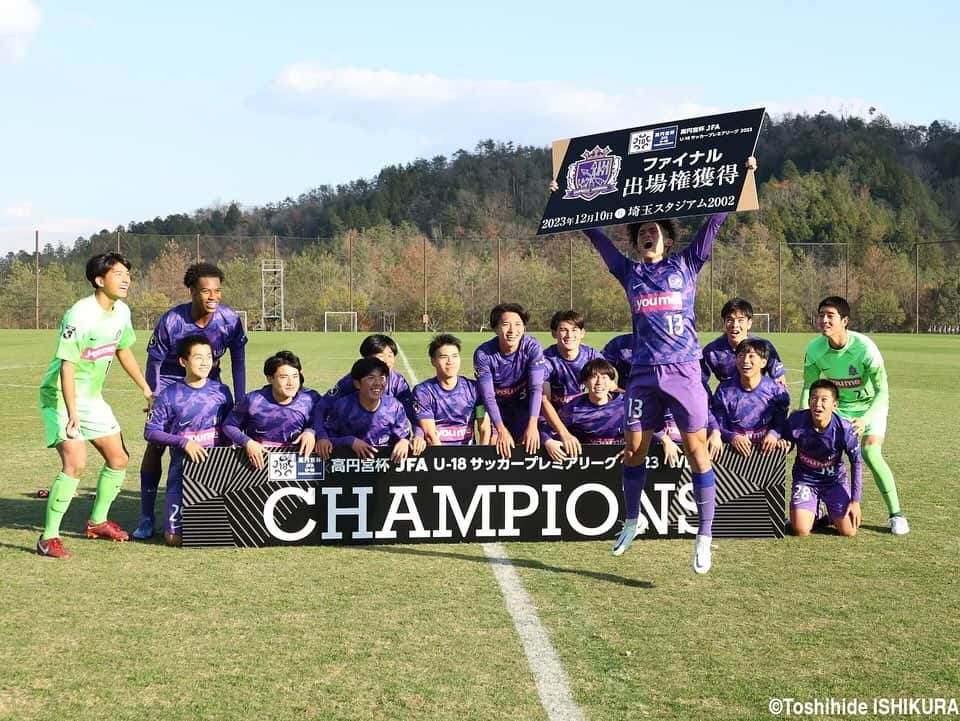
x=761, y=322
x=243, y=320
x=340, y=321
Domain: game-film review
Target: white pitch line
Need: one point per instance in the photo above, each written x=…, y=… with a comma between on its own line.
x=553, y=687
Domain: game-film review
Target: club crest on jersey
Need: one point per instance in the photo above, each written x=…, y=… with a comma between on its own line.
x=852, y=370
x=595, y=174
x=68, y=331
x=152, y=343
x=675, y=281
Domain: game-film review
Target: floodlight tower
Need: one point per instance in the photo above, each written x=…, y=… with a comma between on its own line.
x=271, y=295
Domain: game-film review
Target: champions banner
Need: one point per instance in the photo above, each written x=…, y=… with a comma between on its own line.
x=462, y=494
x=672, y=169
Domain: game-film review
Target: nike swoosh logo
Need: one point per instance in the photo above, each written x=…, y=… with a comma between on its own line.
x=185, y=423
x=43, y=548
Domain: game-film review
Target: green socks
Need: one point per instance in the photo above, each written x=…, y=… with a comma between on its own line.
x=873, y=457
x=61, y=493
x=108, y=488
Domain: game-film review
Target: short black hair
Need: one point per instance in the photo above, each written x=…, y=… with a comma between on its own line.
x=498, y=310
x=835, y=301
x=186, y=344
x=282, y=358
x=441, y=340
x=736, y=305
x=567, y=316
x=598, y=366
x=828, y=384
x=99, y=265
x=756, y=345
x=669, y=226
x=377, y=343
x=201, y=270
x=365, y=366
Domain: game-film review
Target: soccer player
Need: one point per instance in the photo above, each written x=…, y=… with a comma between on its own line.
x=852, y=361
x=594, y=417
x=281, y=413
x=822, y=437
x=446, y=406
x=752, y=408
x=369, y=418
x=510, y=370
x=666, y=362
x=187, y=416
x=204, y=315
x=563, y=362
x=720, y=355
x=92, y=332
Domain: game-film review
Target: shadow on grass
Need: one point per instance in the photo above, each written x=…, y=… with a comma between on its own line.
x=519, y=562
x=25, y=512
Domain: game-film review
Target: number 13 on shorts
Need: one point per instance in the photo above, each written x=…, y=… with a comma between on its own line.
x=635, y=408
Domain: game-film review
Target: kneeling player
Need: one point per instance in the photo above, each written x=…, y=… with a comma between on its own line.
x=595, y=417
x=822, y=437
x=187, y=417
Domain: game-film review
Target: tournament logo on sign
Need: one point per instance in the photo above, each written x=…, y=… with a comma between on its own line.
x=594, y=175
x=283, y=466
x=644, y=141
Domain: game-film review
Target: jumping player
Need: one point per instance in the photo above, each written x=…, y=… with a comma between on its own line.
x=92, y=332
x=204, y=315
x=853, y=362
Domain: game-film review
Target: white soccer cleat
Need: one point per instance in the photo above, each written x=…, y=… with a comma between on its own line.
x=631, y=529
x=702, y=554
x=899, y=525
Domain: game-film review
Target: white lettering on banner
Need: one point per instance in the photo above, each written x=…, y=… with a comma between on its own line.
x=403, y=494
x=511, y=512
x=481, y=497
x=309, y=496
x=689, y=503
x=360, y=511
x=612, y=509
x=551, y=490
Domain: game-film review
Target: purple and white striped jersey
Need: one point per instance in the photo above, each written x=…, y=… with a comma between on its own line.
x=510, y=386
x=224, y=331
x=453, y=411
x=257, y=416
x=754, y=413
x=386, y=425
x=720, y=360
x=183, y=413
x=661, y=296
x=564, y=375
x=590, y=423
x=819, y=458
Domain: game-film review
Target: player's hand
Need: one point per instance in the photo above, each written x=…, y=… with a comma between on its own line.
x=853, y=511
x=400, y=451
x=150, y=398
x=363, y=449
x=782, y=380
x=554, y=449
x=195, y=452
x=72, y=429
x=751, y=163
x=256, y=454
x=742, y=445
x=505, y=442
x=418, y=445
x=784, y=444
x=714, y=445
x=858, y=426
x=571, y=445
x=305, y=443
x=671, y=452
x=554, y=186
x=531, y=439
x=769, y=443
x=323, y=448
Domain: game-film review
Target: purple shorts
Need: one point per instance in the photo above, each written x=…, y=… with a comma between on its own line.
x=676, y=386
x=807, y=496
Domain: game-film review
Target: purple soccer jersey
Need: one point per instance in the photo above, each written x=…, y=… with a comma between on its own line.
x=397, y=387
x=453, y=411
x=619, y=353
x=590, y=423
x=564, y=375
x=180, y=414
x=661, y=296
x=224, y=331
x=819, y=460
x=258, y=417
x=754, y=413
x=386, y=425
x=510, y=386
x=720, y=360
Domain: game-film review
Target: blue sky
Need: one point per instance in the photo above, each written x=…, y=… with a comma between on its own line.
x=112, y=112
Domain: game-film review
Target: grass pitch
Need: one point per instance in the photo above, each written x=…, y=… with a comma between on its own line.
x=138, y=631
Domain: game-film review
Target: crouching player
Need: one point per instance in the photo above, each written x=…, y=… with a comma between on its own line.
x=370, y=419
x=752, y=408
x=595, y=417
x=821, y=437
x=281, y=413
x=187, y=416
x=446, y=406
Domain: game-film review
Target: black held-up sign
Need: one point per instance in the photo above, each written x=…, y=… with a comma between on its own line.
x=672, y=169
x=455, y=494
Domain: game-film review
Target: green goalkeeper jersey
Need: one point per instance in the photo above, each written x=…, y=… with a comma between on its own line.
x=89, y=337
x=856, y=369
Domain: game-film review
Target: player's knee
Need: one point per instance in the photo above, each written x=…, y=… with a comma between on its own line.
x=801, y=531
x=847, y=530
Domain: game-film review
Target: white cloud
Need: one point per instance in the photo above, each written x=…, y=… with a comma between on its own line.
x=20, y=211
x=18, y=20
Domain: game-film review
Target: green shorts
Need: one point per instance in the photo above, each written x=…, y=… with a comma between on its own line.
x=877, y=425
x=95, y=416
